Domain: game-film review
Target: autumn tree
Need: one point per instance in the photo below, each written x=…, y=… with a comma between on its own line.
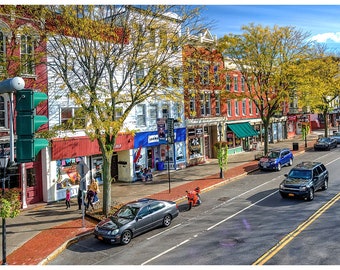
x=264, y=56
x=108, y=59
x=319, y=86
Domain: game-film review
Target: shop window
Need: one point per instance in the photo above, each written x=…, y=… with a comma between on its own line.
x=31, y=179
x=195, y=147
x=67, y=174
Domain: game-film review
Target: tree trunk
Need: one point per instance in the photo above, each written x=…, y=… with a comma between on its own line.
x=325, y=116
x=107, y=184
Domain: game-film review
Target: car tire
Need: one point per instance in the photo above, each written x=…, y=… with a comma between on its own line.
x=325, y=185
x=167, y=221
x=126, y=237
x=290, y=163
x=310, y=196
x=278, y=168
x=283, y=195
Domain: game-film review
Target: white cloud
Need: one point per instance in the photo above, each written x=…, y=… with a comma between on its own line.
x=327, y=37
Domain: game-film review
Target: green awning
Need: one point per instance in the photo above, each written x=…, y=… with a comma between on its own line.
x=243, y=130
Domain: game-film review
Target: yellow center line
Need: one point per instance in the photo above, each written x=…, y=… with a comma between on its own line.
x=289, y=237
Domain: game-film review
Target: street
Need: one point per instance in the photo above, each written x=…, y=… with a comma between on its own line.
x=237, y=224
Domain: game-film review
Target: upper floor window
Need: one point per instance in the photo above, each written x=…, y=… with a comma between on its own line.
x=153, y=112
x=2, y=50
x=163, y=39
x=228, y=83
x=152, y=37
x=205, y=74
x=244, y=107
x=216, y=74
x=250, y=106
x=217, y=104
x=27, y=55
x=72, y=118
x=192, y=105
x=191, y=72
x=140, y=75
x=237, y=108
x=205, y=104
x=235, y=83
x=2, y=112
x=229, y=111
x=243, y=84
x=165, y=110
x=140, y=115
x=175, y=77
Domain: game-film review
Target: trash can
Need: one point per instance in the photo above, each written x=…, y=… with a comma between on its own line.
x=160, y=166
x=295, y=146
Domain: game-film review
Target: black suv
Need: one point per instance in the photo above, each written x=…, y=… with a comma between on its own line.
x=304, y=179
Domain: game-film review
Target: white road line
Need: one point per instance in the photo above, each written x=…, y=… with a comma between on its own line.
x=164, y=231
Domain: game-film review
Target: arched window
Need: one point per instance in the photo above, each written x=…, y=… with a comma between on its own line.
x=5, y=34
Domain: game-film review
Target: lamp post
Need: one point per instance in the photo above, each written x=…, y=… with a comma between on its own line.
x=3, y=165
x=305, y=123
x=220, y=136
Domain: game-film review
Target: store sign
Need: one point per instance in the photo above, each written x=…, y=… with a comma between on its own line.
x=153, y=138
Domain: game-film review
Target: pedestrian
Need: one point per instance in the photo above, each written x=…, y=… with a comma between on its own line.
x=95, y=188
x=80, y=198
x=68, y=198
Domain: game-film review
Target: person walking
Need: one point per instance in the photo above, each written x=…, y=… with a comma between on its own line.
x=68, y=198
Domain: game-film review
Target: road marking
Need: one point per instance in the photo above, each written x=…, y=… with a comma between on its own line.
x=289, y=237
x=164, y=231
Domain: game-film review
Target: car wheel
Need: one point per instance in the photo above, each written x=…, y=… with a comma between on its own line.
x=325, y=185
x=310, y=194
x=126, y=237
x=283, y=195
x=167, y=221
x=278, y=167
x=290, y=162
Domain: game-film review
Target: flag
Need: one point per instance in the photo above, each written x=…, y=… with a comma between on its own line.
x=137, y=155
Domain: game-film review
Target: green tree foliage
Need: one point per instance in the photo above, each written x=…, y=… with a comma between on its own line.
x=319, y=86
x=10, y=204
x=222, y=154
x=96, y=53
x=264, y=56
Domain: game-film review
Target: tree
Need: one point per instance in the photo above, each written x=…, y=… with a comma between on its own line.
x=320, y=86
x=108, y=59
x=264, y=56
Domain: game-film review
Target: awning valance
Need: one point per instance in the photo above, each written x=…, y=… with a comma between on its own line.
x=243, y=130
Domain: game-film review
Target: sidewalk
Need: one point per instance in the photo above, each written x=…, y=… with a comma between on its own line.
x=42, y=231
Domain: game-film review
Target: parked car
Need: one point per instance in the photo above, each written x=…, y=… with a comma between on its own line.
x=275, y=159
x=304, y=179
x=336, y=137
x=135, y=218
x=325, y=143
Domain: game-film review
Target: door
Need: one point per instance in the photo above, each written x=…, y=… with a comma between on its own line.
x=114, y=167
x=150, y=158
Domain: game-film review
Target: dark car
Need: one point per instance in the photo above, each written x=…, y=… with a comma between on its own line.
x=135, y=218
x=275, y=159
x=304, y=179
x=325, y=143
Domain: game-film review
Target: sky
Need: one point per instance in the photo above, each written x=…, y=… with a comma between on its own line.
x=322, y=22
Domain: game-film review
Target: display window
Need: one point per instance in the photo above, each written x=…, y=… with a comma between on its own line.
x=67, y=174
x=196, y=147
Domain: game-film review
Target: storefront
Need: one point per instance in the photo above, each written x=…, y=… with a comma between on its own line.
x=149, y=152
x=66, y=154
x=240, y=137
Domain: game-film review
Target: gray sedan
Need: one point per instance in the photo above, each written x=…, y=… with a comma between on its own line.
x=325, y=143
x=336, y=137
x=135, y=218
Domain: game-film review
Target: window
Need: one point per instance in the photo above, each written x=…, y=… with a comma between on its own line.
x=237, y=109
x=235, y=83
x=153, y=109
x=163, y=38
x=243, y=86
x=164, y=77
x=205, y=103
x=218, y=104
x=192, y=105
x=205, y=74
x=2, y=112
x=250, y=105
x=118, y=112
x=228, y=83
x=216, y=74
x=244, y=107
x=140, y=115
x=2, y=50
x=140, y=75
x=72, y=118
x=191, y=72
x=27, y=55
x=229, y=107
x=152, y=37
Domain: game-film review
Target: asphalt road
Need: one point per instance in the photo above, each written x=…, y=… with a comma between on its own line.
x=243, y=222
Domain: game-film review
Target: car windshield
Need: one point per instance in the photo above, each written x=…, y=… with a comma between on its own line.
x=127, y=211
x=323, y=140
x=300, y=174
x=273, y=154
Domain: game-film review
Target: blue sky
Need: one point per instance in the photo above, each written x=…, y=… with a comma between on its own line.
x=321, y=21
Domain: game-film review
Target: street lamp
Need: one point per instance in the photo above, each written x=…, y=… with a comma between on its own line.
x=3, y=165
x=220, y=136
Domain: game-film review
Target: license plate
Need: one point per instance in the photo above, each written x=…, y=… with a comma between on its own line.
x=291, y=195
x=100, y=238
